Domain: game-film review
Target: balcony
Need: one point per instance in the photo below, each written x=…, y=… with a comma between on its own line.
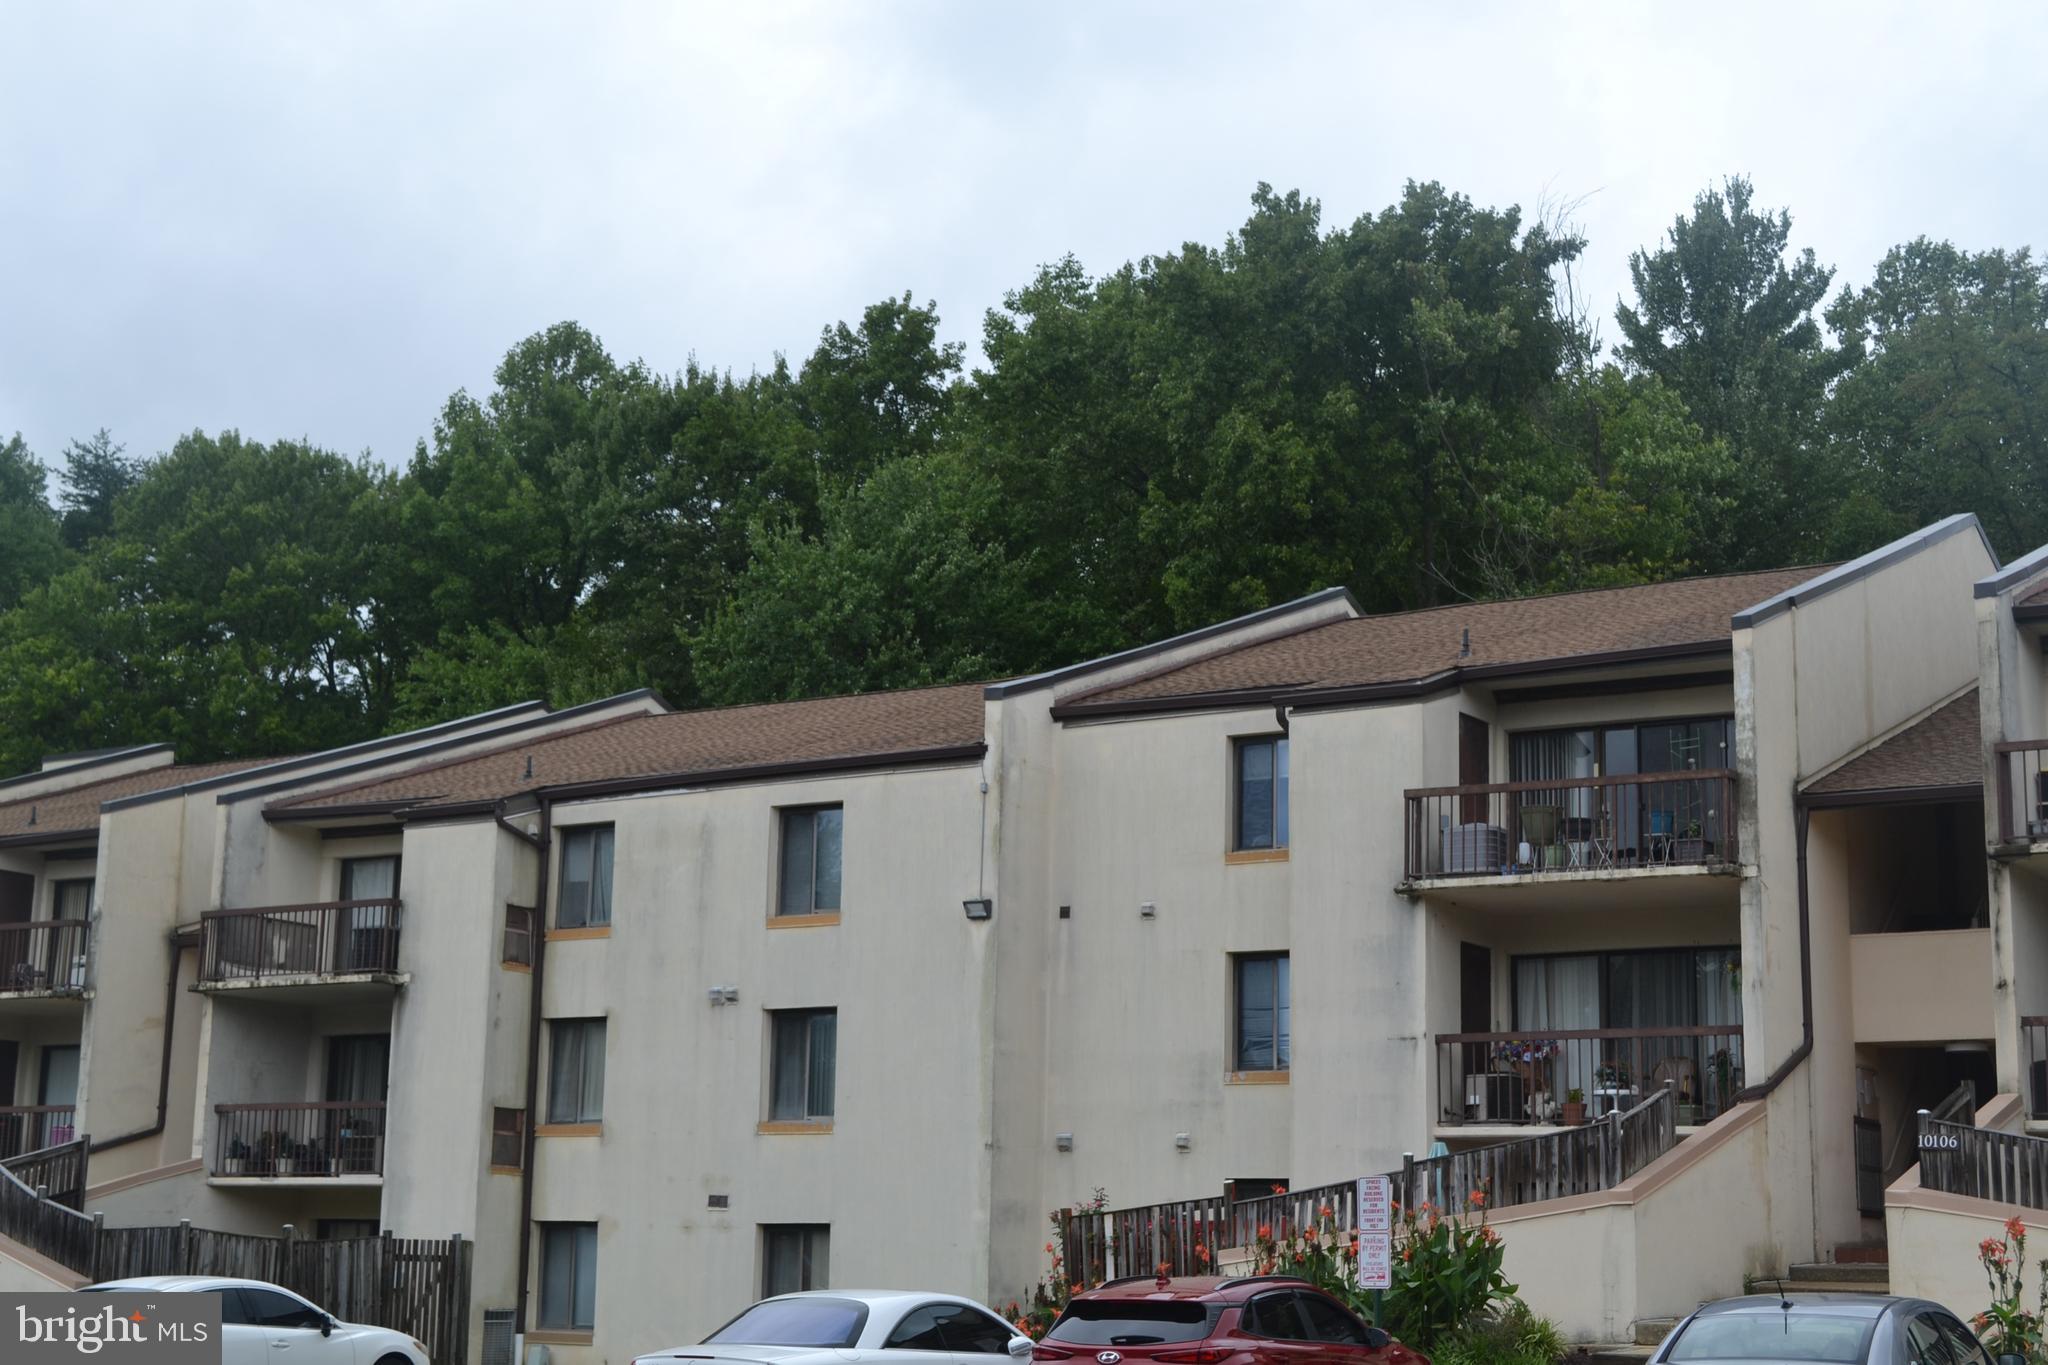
x=30, y=1128
x=43, y=959
x=322, y=1143
x=1572, y=829
x=1518, y=1080
x=330, y=943
x=2022, y=780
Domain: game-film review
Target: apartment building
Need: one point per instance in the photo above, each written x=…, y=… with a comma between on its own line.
x=667, y=1010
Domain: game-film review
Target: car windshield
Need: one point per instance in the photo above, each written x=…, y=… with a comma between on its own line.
x=1121, y=1322
x=1776, y=1336
x=795, y=1322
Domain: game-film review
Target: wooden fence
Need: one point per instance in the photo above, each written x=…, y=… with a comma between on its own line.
x=418, y=1286
x=1190, y=1236
x=2006, y=1168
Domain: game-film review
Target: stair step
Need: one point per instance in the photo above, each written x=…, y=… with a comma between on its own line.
x=1863, y=1253
x=1651, y=1331
x=1829, y=1273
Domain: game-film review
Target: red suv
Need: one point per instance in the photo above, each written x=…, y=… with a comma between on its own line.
x=1212, y=1320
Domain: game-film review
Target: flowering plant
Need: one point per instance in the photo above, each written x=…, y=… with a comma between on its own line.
x=2007, y=1328
x=1525, y=1050
x=1049, y=1297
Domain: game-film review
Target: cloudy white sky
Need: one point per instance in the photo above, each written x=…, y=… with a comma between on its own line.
x=320, y=220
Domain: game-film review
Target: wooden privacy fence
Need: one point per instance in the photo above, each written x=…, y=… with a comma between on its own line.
x=1188, y=1236
x=418, y=1286
x=2007, y=1168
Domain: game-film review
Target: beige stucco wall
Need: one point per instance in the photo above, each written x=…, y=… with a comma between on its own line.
x=1933, y=1239
x=1926, y=987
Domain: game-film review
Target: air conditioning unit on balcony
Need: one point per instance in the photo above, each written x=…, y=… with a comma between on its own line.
x=1475, y=848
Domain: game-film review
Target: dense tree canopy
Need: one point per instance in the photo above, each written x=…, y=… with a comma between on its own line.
x=1408, y=404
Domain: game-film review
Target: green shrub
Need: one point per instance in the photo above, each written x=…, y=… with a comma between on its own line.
x=1512, y=1336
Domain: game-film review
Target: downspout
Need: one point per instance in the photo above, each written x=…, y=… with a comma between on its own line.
x=179, y=943
x=543, y=843
x=1800, y=816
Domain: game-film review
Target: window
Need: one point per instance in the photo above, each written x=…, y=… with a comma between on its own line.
x=72, y=900
x=586, y=900
x=1263, y=1008
x=794, y=1257
x=576, y=1071
x=1105, y=1322
x=811, y=840
x=1329, y=1322
x=1261, y=793
x=568, y=1276
x=795, y=1322
x=269, y=1308
x=508, y=1133
x=518, y=947
x=1276, y=1316
x=1965, y=1348
x=806, y=1047
x=950, y=1327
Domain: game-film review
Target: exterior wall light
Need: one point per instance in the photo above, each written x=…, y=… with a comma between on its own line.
x=1063, y=1141
x=1182, y=1142
x=1147, y=910
x=979, y=908
x=724, y=995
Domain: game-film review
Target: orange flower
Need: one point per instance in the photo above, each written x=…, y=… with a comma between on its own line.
x=1265, y=1232
x=1324, y=1212
x=2015, y=1229
x=1279, y=1189
x=1479, y=1199
x=1048, y=1248
x=1077, y=1286
x=1201, y=1254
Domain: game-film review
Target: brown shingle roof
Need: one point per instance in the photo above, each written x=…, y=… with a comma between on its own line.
x=687, y=742
x=1941, y=749
x=77, y=809
x=1417, y=644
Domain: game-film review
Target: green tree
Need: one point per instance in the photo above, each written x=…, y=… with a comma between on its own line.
x=908, y=584
x=97, y=471
x=1727, y=321
x=1949, y=412
x=30, y=551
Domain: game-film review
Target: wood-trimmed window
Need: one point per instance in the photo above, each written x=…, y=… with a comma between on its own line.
x=568, y=1277
x=804, y=1057
x=794, y=1257
x=813, y=845
x=518, y=945
x=508, y=1138
x=1259, y=817
x=576, y=1070
x=585, y=899
x=1262, y=1008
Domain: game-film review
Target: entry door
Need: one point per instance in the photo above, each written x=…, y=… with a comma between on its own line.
x=358, y=1070
x=59, y=1090
x=1475, y=988
x=1475, y=765
x=17, y=906
x=366, y=944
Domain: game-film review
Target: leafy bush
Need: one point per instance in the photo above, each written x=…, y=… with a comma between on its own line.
x=1512, y=1336
x=2007, y=1327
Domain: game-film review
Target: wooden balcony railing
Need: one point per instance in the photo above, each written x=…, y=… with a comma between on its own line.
x=1552, y=825
x=330, y=938
x=336, y=1138
x=1216, y=1236
x=44, y=955
x=1530, y=1077
x=2022, y=780
x=1981, y=1163
x=32, y=1127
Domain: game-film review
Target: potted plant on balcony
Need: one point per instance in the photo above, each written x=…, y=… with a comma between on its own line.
x=237, y=1153
x=1574, y=1108
x=1691, y=846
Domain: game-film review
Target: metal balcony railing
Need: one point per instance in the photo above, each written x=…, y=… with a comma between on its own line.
x=1554, y=825
x=325, y=939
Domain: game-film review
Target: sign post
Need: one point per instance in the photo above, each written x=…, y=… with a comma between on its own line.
x=1375, y=1232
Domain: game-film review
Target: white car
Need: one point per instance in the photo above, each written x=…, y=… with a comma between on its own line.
x=857, y=1327
x=259, y=1322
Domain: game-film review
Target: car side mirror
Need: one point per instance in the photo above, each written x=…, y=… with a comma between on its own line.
x=1378, y=1338
x=326, y=1325
x=1020, y=1348
x=2012, y=1360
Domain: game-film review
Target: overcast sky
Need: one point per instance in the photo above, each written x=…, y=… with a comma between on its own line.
x=320, y=221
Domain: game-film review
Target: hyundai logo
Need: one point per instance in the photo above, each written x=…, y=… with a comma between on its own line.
x=1109, y=1357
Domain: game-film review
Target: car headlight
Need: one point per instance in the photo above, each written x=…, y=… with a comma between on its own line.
x=419, y=1346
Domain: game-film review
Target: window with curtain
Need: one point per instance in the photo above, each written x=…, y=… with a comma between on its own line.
x=794, y=1257
x=811, y=847
x=72, y=899
x=508, y=1138
x=1263, y=1029
x=576, y=1070
x=358, y=1067
x=586, y=896
x=1262, y=793
x=366, y=942
x=568, y=1276
x=805, y=1056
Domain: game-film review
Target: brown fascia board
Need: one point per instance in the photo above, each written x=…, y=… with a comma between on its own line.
x=1368, y=694
x=1891, y=796
x=55, y=836
x=422, y=812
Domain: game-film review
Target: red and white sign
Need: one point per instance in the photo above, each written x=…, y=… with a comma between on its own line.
x=1375, y=1260
x=1375, y=1203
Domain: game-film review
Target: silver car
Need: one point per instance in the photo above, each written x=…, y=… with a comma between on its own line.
x=1839, y=1329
